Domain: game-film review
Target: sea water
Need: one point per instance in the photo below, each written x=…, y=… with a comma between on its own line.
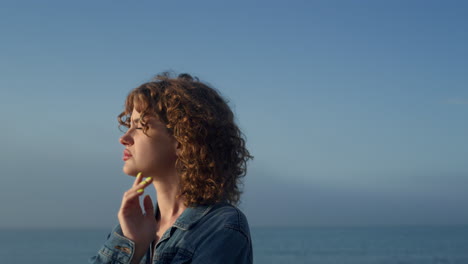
x=362, y=245
x=324, y=245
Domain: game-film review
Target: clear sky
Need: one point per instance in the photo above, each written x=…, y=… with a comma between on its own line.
x=356, y=111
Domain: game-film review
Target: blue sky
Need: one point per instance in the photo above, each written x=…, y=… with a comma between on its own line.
x=356, y=111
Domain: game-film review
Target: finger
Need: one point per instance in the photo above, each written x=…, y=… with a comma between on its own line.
x=130, y=203
x=138, y=189
x=143, y=184
x=148, y=204
x=137, y=179
x=131, y=196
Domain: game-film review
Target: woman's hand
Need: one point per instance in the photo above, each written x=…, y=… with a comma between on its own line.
x=138, y=227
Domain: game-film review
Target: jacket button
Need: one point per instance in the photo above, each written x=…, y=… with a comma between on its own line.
x=124, y=249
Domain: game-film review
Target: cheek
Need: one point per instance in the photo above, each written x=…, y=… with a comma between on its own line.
x=158, y=154
x=143, y=152
x=155, y=151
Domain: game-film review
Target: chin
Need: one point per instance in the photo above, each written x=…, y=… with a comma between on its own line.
x=129, y=171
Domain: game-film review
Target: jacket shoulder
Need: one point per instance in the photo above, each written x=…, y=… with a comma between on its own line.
x=225, y=215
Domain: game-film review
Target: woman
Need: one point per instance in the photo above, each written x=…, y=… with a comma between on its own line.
x=183, y=140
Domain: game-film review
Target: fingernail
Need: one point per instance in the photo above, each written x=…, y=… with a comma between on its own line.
x=148, y=179
x=144, y=182
x=138, y=175
x=139, y=190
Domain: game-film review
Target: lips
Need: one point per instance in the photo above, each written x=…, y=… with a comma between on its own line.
x=126, y=154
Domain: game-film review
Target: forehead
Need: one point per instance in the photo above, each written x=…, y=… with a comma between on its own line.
x=135, y=117
x=135, y=113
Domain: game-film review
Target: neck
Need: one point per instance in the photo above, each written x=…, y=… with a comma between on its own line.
x=170, y=207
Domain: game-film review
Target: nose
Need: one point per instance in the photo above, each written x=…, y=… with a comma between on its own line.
x=126, y=139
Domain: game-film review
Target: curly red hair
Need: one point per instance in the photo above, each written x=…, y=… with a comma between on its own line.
x=213, y=157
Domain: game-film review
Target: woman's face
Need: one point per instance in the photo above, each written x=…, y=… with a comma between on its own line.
x=154, y=155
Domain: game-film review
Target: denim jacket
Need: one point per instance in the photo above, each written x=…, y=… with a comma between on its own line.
x=217, y=233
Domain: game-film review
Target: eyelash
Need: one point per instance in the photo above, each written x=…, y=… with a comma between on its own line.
x=135, y=127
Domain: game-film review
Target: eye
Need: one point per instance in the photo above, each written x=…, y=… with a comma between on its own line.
x=126, y=128
x=141, y=123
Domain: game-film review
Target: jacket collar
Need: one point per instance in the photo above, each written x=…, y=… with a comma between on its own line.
x=191, y=215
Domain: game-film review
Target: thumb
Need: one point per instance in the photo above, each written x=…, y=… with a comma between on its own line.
x=148, y=204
